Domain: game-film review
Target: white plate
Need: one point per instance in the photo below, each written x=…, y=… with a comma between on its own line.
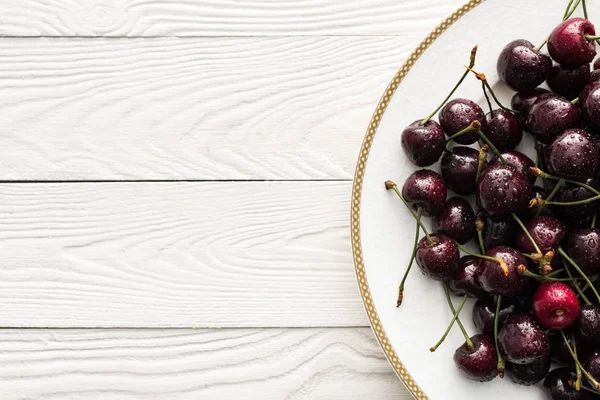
x=382, y=230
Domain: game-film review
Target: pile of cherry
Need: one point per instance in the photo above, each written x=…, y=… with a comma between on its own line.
x=537, y=273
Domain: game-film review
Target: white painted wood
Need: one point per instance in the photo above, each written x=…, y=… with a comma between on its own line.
x=177, y=255
x=221, y=17
x=199, y=108
x=245, y=364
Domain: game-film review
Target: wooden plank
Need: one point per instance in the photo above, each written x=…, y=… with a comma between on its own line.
x=221, y=17
x=212, y=108
x=177, y=255
x=195, y=364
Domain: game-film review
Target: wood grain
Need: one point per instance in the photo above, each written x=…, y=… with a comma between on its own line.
x=177, y=255
x=213, y=108
x=221, y=18
x=195, y=364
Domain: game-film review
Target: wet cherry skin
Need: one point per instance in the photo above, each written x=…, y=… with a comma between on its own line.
x=556, y=305
x=583, y=245
x=522, y=340
x=459, y=169
x=547, y=232
x=457, y=115
x=573, y=154
x=588, y=323
x=493, y=279
x=484, y=313
x=464, y=282
x=502, y=189
x=529, y=374
x=568, y=82
x=425, y=189
x=521, y=66
x=438, y=260
x=551, y=115
x=589, y=102
x=425, y=144
x=558, y=385
x=567, y=44
x=504, y=129
x=457, y=220
x=479, y=363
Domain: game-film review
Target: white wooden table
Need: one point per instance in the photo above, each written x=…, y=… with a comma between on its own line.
x=169, y=167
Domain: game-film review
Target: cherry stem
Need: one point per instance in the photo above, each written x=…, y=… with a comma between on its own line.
x=483, y=153
x=587, y=375
x=575, y=100
x=391, y=185
x=571, y=11
x=556, y=272
x=410, y=263
x=566, y=203
x=454, y=318
x=550, y=196
x=460, y=325
x=541, y=46
x=487, y=98
x=585, y=13
x=567, y=9
x=577, y=369
x=592, y=37
x=460, y=81
x=522, y=270
x=583, y=275
x=496, y=323
x=479, y=225
x=545, y=175
x=594, y=220
x=475, y=125
x=516, y=218
x=579, y=290
x=494, y=149
x=495, y=259
x=486, y=85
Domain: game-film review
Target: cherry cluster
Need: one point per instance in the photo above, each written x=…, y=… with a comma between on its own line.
x=537, y=272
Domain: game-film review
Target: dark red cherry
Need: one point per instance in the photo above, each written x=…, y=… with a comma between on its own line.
x=588, y=323
x=499, y=231
x=457, y=220
x=522, y=340
x=567, y=44
x=493, y=279
x=596, y=64
x=522, y=101
x=484, y=313
x=529, y=374
x=558, y=385
x=576, y=215
x=547, y=232
x=464, y=282
x=572, y=155
x=594, y=76
x=457, y=115
x=521, y=66
x=479, y=363
x=504, y=129
x=583, y=245
x=502, y=189
x=423, y=144
x=518, y=160
x=568, y=82
x=459, y=169
x=589, y=102
x=425, y=189
x=438, y=260
x=551, y=115
x=593, y=365
x=555, y=304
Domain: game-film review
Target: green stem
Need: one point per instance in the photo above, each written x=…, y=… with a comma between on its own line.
x=487, y=98
x=530, y=274
x=483, y=152
x=463, y=249
x=454, y=318
x=410, y=264
x=487, y=85
x=391, y=185
x=572, y=203
x=460, y=325
x=475, y=125
x=585, y=12
x=460, y=81
x=545, y=175
x=587, y=375
x=579, y=290
x=567, y=9
x=591, y=37
x=550, y=196
x=554, y=273
x=577, y=369
x=481, y=245
x=583, y=275
x=594, y=220
x=489, y=143
x=516, y=218
x=575, y=101
x=496, y=323
x=567, y=16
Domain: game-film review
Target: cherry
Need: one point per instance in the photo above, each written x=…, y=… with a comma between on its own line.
x=425, y=189
x=522, y=101
x=499, y=231
x=494, y=279
x=559, y=385
x=464, y=282
x=504, y=129
x=568, y=82
x=588, y=323
x=437, y=260
x=583, y=245
x=589, y=102
x=502, y=189
x=547, y=232
x=458, y=114
x=529, y=374
x=593, y=365
x=530, y=213
x=568, y=45
x=576, y=215
x=484, y=313
x=423, y=144
x=594, y=76
x=596, y=64
x=573, y=155
x=518, y=160
x=480, y=362
x=555, y=305
x=521, y=66
x=550, y=115
x=459, y=169
x=522, y=341
x=457, y=220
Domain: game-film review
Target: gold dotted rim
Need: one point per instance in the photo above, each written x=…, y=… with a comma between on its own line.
x=363, y=285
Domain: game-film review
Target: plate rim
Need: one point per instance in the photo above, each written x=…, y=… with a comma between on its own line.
x=361, y=164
